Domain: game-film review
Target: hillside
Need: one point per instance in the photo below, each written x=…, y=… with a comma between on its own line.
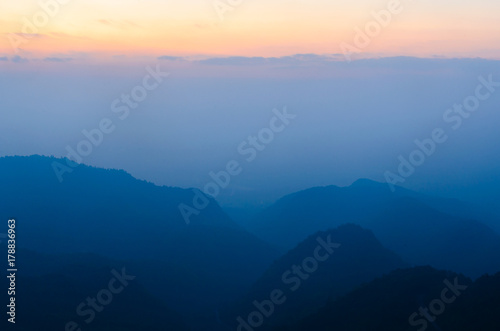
x=354, y=257
x=421, y=229
x=400, y=301
x=110, y=213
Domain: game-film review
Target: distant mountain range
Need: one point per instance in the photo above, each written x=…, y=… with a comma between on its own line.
x=327, y=258
x=412, y=299
x=52, y=293
x=110, y=213
x=355, y=258
x=445, y=233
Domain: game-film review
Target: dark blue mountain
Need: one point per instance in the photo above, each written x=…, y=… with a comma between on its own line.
x=414, y=299
x=110, y=213
x=423, y=230
x=308, y=283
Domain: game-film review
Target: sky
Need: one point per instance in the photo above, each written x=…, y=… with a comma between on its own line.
x=105, y=28
x=227, y=73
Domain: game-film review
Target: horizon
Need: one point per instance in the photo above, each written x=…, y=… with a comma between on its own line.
x=149, y=27
x=233, y=205
x=194, y=116
x=264, y=165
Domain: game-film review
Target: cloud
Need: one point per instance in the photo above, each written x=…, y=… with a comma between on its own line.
x=285, y=60
x=171, y=58
x=32, y=35
x=337, y=61
x=18, y=59
x=58, y=59
x=4, y=58
x=237, y=60
x=105, y=22
x=26, y=35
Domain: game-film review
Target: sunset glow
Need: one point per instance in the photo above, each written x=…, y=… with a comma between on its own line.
x=253, y=28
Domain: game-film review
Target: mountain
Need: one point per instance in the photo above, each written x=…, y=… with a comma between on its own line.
x=409, y=300
x=478, y=308
x=424, y=236
x=110, y=213
x=183, y=288
x=384, y=304
x=421, y=229
x=57, y=295
x=324, y=266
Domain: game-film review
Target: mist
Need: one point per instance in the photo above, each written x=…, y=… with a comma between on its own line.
x=352, y=120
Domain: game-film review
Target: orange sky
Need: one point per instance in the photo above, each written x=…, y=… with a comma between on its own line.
x=255, y=28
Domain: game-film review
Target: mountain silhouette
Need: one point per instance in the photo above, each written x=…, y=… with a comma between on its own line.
x=110, y=213
x=421, y=229
x=356, y=257
x=50, y=289
x=311, y=260
x=393, y=302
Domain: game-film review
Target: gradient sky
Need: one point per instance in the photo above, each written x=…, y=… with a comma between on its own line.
x=103, y=28
x=354, y=118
